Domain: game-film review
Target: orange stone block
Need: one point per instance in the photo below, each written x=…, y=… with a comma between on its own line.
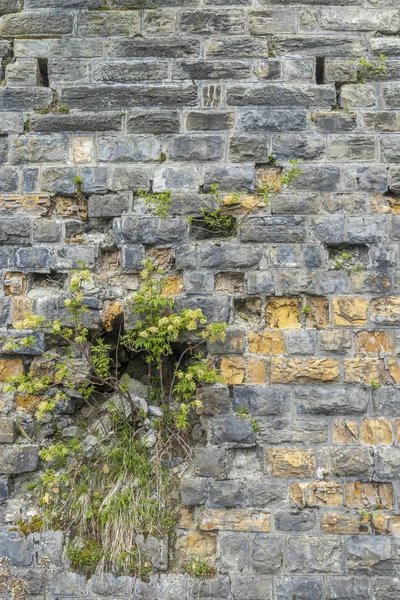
x=256, y=371
x=362, y=495
x=288, y=370
x=317, y=493
x=267, y=342
x=235, y=520
x=233, y=370
x=345, y=431
x=350, y=311
x=14, y=284
x=10, y=367
x=111, y=314
x=363, y=370
x=376, y=431
x=345, y=524
x=173, y=286
x=291, y=462
x=283, y=313
x=373, y=342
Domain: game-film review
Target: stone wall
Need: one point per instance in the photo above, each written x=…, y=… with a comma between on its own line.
x=302, y=501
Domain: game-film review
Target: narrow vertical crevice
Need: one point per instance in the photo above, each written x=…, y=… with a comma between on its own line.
x=320, y=70
x=44, y=71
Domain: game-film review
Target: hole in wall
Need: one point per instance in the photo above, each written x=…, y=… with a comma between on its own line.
x=320, y=70
x=348, y=257
x=44, y=71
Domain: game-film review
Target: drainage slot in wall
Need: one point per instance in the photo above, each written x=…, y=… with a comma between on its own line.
x=320, y=70
x=44, y=71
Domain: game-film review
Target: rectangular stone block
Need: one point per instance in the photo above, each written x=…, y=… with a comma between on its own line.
x=289, y=229
x=234, y=520
x=153, y=121
x=40, y=149
x=237, y=47
x=303, y=370
x=120, y=97
x=354, y=19
x=345, y=462
x=209, y=22
x=316, y=494
x=315, y=555
x=36, y=23
x=171, y=47
x=113, y=149
x=291, y=462
x=108, y=23
x=281, y=95
x=205, y=69
x=18, y=459
x=7, y=430
x=130, y=72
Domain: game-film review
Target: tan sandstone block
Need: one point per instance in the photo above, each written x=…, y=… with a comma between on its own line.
x=233, y=370
x=197, y=543
x=291, y=462
x=283, y=313
x=235, y=520
x=345, y=431
x=373, y=342
x=256, y=371
x=173, y=286
x=287, y=370
x=21, y=307
x=343, y=523
x=376, y=431
x=393, y=364
x=365, y=495
x=267, y=342
x=386, y=310
x=385, y=524
x=318, y=313
x=83, y=150
x=317, y=493
x=350, y=311
x=363, y=370
x=14, y=284
x=381, y=203
x=112, y=313
x=10, y=367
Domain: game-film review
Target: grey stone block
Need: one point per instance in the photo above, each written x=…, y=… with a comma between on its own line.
x=299, y=588
x=149, y=230
x=281, y=96
x=274, y=230
x=210, y=462
x=315, y=555
x=36, y=23
x=18, y=459
x=328, y=401
x=108, y=23
x=7, y=430
x=209, y=121
x=98, y=121
x=34, y=259
x=172, y=47
x=260, y=586
x=193, y=492
x=215, y=309
x=153, y=121
x=370, y=555
x=348, y=588
x=226, y=256
x=15, y=231
x=233, y=432
x=108, y=206
x=40, y=149
x=68, y=257
x=295, y=521
x=195, y=148
x=17, y=548
x=262, y=400
x=130, y=72
x=203, y=70
x=267, y=554
x=260, y=282
x=214, y=399
x=346, y=462
x=226, y=494
x=47, y=230
x=262, y=120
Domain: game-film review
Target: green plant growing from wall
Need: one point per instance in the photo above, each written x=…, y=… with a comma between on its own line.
x=159, y=203
x=347, y=261
x=216, y=214
x=369, y=69
x=105, y=498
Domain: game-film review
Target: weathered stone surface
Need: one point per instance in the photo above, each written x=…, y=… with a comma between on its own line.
x=18, y=459
x=303, y=370
x=315, y=554
x=360, y=495
x=291, y=462
x=234, y=520
x=345, y=462
x=316, y=494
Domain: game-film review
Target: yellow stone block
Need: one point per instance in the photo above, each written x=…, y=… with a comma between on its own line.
x=233, y=370
x=373, y=342
x=235, y=520
x=350, y=311
x=197, y=543
x=288, y=370
x=363, y=370
x=256, y=371
x=376, y=431
x=267, y=342
x=283, y=313
x=21, y=307
x=363, y=495
x=291, y=462
x=345, y=431
x=173, y=286
x=317, y=493
x=10, y=367
x=343, y=523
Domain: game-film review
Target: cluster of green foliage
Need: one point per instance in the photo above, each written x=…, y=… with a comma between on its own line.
x=106, y=497
x=199, y=567
x=366, y=68
x=216, y=215
x=347, y=261
x=159, y=203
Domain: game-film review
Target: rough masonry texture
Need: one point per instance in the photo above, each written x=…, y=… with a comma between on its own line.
x=302, y=502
